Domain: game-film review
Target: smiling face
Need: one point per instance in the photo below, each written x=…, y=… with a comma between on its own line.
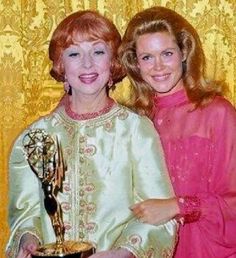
x=87, y=67
x=160, y=62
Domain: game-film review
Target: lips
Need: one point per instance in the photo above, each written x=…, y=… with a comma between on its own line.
x=88, y=78
x=161, y=77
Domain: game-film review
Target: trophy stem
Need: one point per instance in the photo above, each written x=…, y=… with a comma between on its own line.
x=45, y=157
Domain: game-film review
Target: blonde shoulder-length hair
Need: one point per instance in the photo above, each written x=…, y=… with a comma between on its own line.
x=161, y=19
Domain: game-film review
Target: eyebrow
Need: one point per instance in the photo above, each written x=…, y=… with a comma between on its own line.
x=71, y=47
x=169, y=48
x=164, y=50
x=94, y=42
x=74, y=47
x=100, y=42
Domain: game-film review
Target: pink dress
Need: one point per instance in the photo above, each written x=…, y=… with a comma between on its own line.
x=200, y=149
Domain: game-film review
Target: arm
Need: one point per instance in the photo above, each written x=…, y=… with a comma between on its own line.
x=218, y=205
x=24, y=203
x=150, y=180
x=156, y=211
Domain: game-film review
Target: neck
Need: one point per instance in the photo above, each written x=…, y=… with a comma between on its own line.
x=88, y=104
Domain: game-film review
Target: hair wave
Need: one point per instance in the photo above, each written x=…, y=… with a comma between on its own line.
x=90, y=25
x=160, y=19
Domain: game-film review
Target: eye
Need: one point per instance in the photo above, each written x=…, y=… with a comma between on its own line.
x=167, y=53
x=99, y=52
x=146, y=57
x=73, y=54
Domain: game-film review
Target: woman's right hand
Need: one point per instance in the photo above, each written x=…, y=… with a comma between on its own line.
x=156, y=211
x=28, y=245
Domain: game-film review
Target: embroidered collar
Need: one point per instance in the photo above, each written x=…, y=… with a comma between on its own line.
x=86, y=116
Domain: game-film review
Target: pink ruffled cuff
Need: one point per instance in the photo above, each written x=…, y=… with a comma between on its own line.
x=190, y=209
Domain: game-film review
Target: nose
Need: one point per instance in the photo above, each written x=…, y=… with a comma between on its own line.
x=158, y=63
x=87, y=61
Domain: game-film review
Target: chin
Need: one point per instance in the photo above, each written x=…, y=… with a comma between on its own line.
x=162, y=91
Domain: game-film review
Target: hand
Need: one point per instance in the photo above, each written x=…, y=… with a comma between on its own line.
x=28, y=245
x=155, y=211
x=119, y=253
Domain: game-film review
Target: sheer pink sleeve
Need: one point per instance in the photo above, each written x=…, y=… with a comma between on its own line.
x=218, y=205
x=215, y=209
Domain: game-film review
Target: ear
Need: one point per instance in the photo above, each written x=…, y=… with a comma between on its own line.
x=184, y=55
x=137, y=63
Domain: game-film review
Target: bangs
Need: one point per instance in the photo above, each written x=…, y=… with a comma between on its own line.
x=153, y=26
x=86, y=30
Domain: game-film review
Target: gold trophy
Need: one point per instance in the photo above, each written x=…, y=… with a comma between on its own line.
x=45, y=158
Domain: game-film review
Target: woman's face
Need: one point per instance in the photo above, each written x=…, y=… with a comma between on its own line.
x=160, y=62
x=87, y=66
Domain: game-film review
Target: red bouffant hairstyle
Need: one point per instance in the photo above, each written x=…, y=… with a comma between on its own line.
x=161, y=19
x=90, y=25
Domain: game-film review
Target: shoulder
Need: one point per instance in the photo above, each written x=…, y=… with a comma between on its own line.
x=135, y=118
x=220, y=112
x=139, y=126
x=133, y=114
x=40, y=123
x=220, y=106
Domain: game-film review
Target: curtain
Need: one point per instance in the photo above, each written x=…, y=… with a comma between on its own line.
x=26, y=89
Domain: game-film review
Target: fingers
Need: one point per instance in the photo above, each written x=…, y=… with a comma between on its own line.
x=31, y=247
x=136, y=208
x=23, y=254
x=28, y=245
x=143, y=212
x=20, y=253
x=138, y=213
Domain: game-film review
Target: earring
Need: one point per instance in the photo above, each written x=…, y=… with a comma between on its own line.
x=67, y=87
x=110, y=83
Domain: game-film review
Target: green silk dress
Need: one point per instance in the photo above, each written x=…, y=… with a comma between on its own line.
x=114, y=160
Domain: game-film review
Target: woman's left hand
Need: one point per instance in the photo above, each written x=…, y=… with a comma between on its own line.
x=119, y=253
x=155, y=211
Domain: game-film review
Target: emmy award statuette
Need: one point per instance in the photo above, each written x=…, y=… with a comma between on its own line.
x=45, y=158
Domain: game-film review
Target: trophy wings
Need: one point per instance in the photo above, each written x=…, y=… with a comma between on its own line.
x=45, y=156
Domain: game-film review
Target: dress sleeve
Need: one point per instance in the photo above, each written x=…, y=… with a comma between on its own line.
x=24, y=203
x=150, y=180
x=218, y=205
x=215, y=210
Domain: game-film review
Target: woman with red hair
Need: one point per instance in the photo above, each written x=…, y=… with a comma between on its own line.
x=114, y=157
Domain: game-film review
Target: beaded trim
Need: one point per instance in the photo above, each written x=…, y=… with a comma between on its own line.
x=87, y=116
x=190, y=209
x=133, y=243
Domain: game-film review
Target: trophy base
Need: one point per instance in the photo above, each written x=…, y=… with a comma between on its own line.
x=69, y=249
